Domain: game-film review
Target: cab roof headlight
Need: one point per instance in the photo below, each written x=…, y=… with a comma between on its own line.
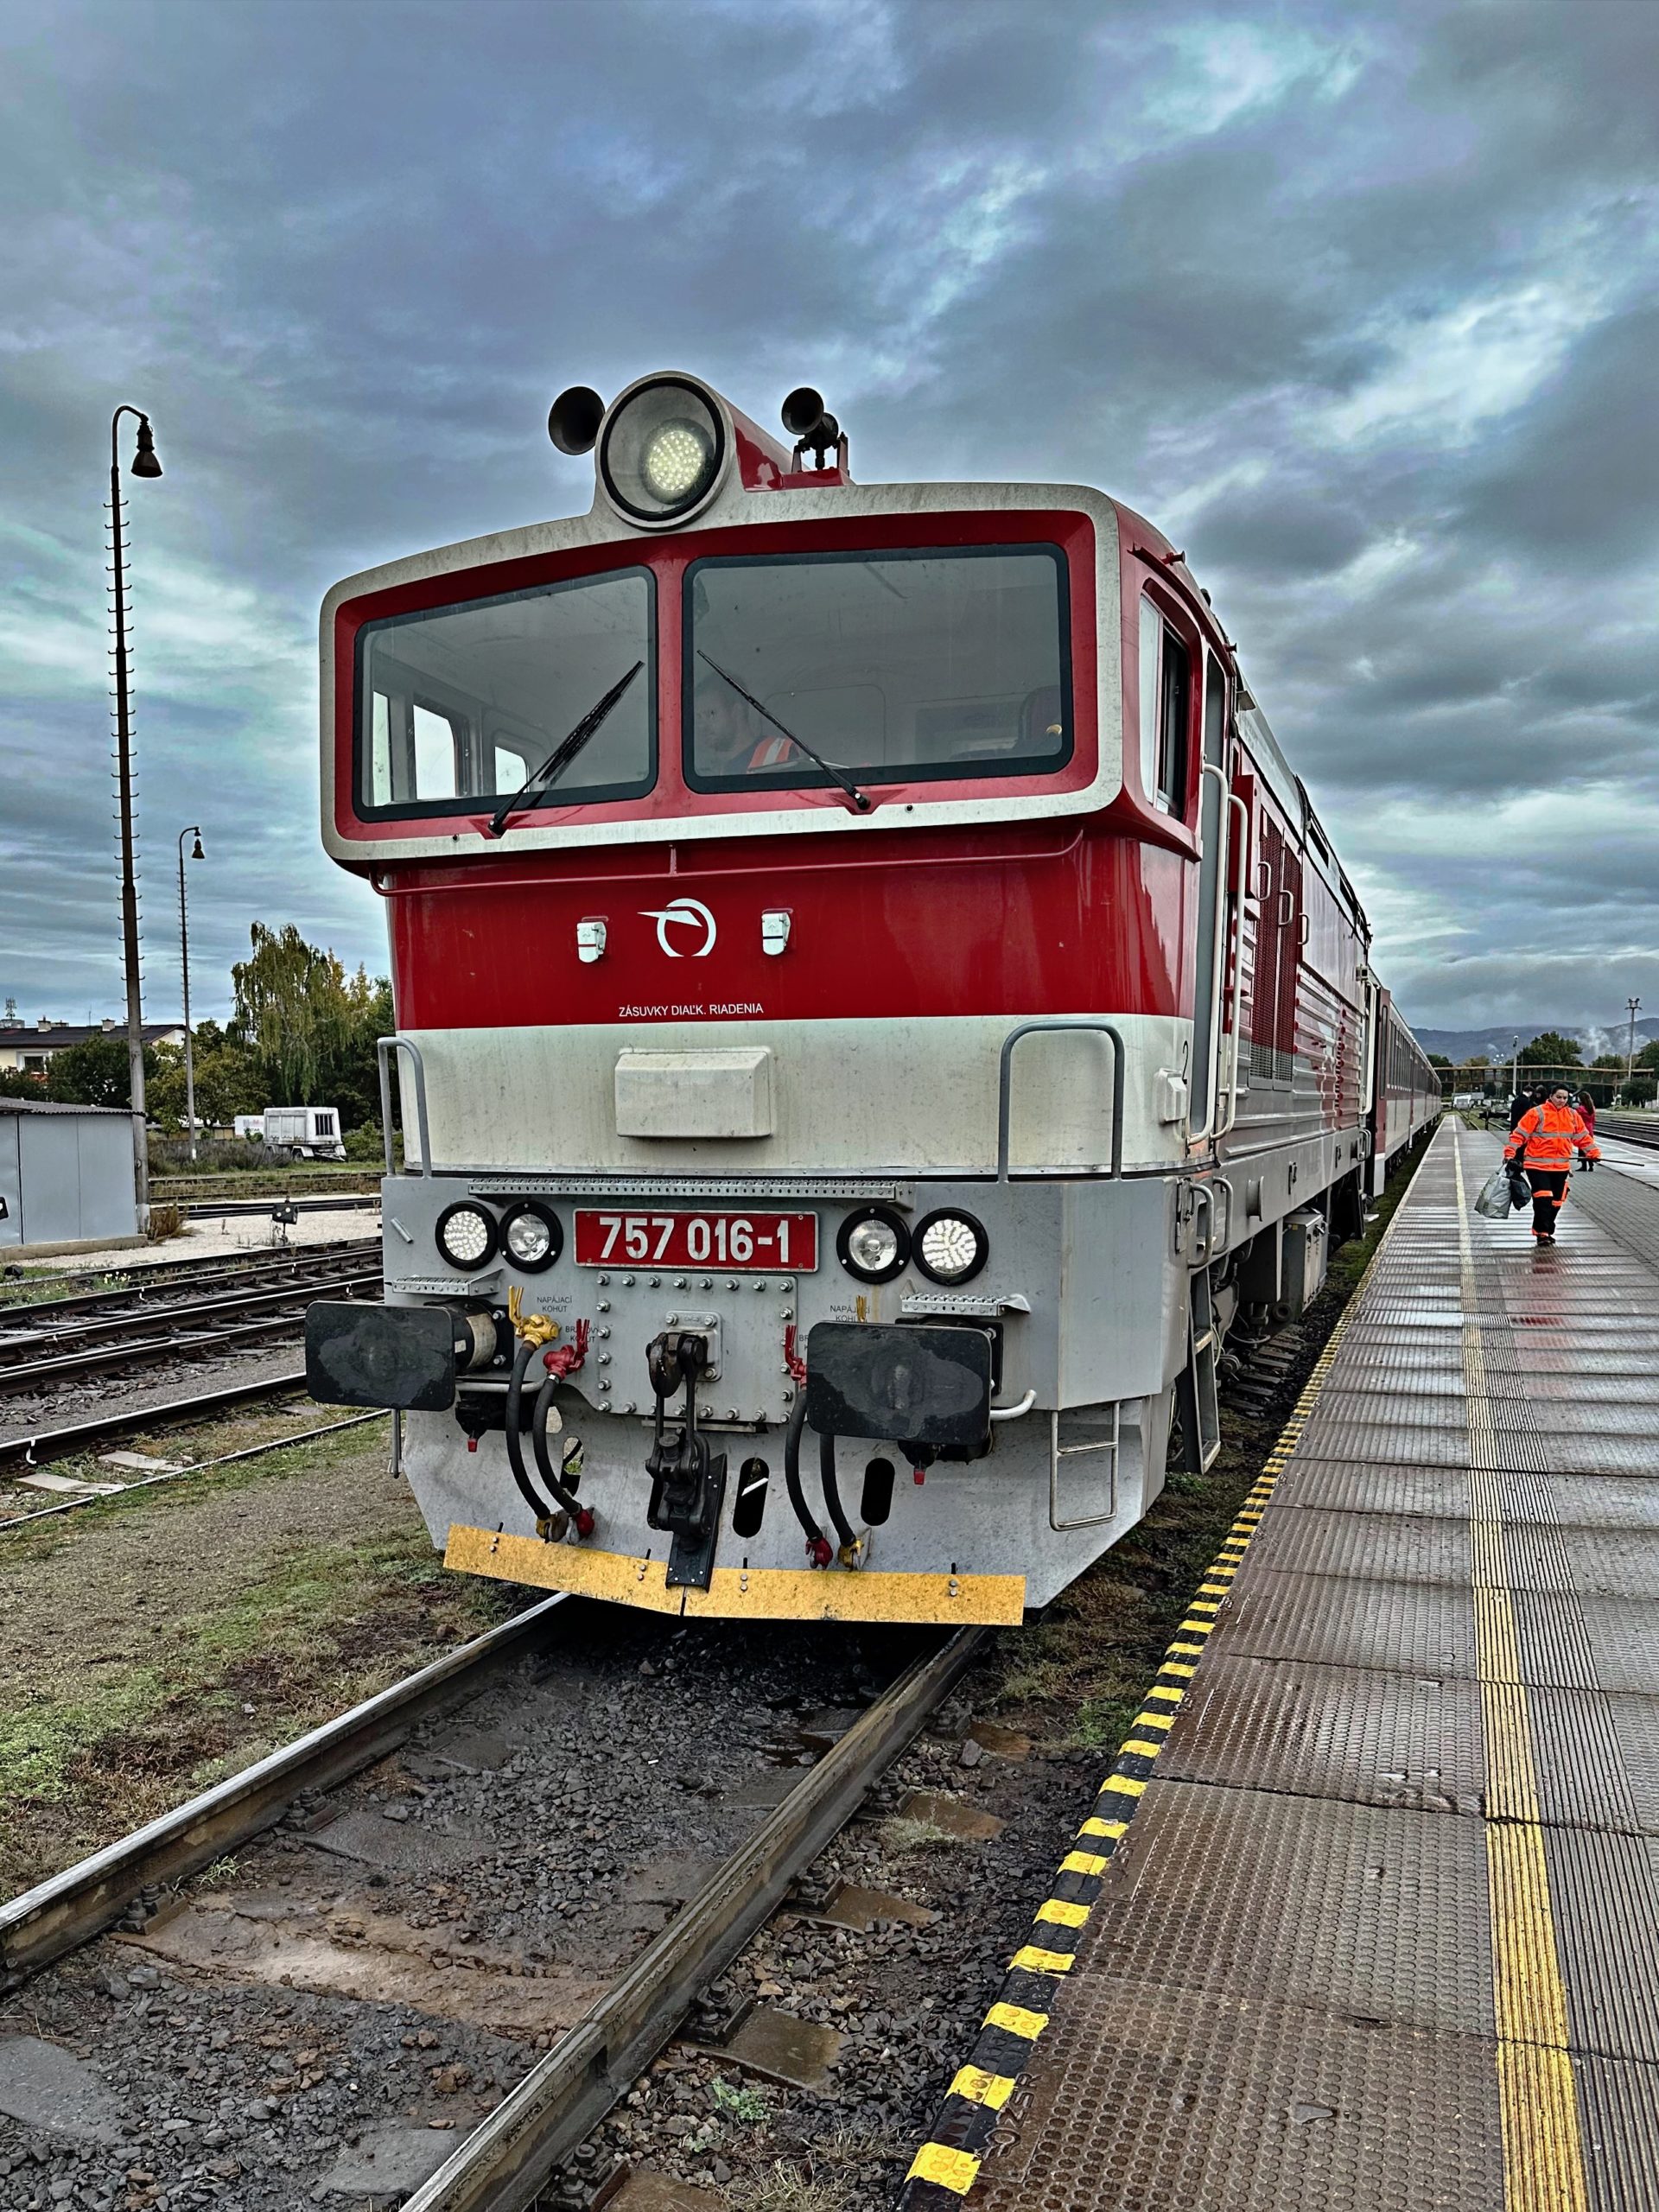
x=531, y=1237
x=662, y=451
x=676, y=461
x=466, y=1237
x=951, y=1247
x=874, y=1245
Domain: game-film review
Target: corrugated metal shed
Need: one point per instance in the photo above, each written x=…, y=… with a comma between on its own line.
x=66, y=1174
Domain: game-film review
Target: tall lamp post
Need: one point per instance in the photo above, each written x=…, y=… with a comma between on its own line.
x=1635, y=1006
x=193, y=830
x=144, y=464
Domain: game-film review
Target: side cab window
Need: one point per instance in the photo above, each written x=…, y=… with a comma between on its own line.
x=1166, y=693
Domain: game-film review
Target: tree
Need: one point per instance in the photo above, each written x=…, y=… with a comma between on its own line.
x=97, y=1072
x=1648, y=1056
x=17, y=1083
x=1438, y=1060
x=1551, y=1050
x=309, y=1027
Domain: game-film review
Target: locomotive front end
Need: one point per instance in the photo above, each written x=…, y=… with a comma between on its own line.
x=795, y=1040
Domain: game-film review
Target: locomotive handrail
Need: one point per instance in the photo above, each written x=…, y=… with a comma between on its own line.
x=1237, y=1000
x=1218, y=947
x=383, y=1049
x=1005, y=1086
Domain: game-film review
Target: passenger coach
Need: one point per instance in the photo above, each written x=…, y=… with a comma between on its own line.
x=876, y=1009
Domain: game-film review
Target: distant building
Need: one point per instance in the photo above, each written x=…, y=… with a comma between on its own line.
x=65, y=1177
x=25, y=1048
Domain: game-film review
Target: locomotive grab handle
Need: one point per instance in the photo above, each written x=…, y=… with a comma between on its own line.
x=1005, y=1086
x=1236, y=998
x=383, y=1049
x=1218, y=950
x=1015, y=1413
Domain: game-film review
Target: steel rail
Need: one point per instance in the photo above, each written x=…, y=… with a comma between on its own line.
x=176, y=1277
x=236, y=1209
x=104, y=1428
x=500, y=2167
x=118, y=1359
x=1645, y=1133
x=113, y=1328
x=106, y=1492
x=66, y=1909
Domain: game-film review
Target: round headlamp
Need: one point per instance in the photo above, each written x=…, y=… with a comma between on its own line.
x=531, y=1237
x=466, y=1237
x=874, y=1245
x=662, y=452
x=951, y=1247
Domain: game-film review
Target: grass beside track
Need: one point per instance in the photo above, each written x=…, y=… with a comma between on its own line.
x=1078, y=1678
x=152, y=1642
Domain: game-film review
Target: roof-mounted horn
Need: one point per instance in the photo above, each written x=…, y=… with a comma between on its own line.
x=814, y=430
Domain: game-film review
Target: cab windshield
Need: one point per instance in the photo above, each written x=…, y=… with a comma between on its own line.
x=465, y=703
x=897, y=667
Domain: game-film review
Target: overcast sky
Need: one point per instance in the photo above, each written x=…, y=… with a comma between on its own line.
x=1358, y=302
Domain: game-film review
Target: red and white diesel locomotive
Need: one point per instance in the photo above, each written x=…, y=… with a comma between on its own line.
x=875, y=1007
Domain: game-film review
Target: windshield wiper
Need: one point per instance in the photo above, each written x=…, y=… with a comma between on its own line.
x=860, y=799
x=561, y=757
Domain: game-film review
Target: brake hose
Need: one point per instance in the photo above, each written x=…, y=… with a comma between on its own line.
x=817, y=1544
x=521, y=1360
x=580, y=1514
x=832, y=1500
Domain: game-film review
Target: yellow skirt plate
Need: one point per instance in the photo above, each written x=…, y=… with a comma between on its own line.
x=741, y=1593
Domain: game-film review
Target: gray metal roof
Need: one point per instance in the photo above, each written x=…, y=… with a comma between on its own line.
x=51, y=1106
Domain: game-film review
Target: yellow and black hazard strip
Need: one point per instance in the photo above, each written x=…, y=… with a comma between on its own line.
x=948, y=2163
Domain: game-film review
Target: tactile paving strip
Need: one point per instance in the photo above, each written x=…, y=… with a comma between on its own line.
x=1402, y=1628
x=1313, y=1901
x=1398, y=1740
x=1171, y=2102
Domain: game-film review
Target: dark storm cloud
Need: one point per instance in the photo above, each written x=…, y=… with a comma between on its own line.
x=1355, y=301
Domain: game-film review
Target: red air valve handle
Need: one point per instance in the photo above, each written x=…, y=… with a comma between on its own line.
x=818, y=1551
x=564, y=1360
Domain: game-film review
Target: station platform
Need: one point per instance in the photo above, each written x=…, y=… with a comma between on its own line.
x=1366, y=1913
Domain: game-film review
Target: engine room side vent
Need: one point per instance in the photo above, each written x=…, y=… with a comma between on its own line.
x=710, y=1092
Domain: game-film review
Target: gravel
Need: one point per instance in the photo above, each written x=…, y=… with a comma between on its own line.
x=528, y=1846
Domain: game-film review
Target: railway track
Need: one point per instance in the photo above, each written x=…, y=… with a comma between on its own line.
x=340, y=1909
x=117, y=1286
x=1643, y=1129
x=37, y=1446
x=62, y=1348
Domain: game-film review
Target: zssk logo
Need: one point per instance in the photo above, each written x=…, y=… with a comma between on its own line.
x=682, y=913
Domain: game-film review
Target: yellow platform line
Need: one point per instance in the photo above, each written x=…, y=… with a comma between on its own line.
x=1538, y=2105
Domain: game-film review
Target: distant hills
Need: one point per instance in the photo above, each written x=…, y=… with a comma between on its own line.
x=1497, y=1042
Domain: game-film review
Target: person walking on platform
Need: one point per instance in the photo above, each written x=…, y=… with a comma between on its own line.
x=1543, y=1143
x=1587, y=1116
x=1523, y=1102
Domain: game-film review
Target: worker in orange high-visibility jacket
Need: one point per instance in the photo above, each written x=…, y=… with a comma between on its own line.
x=1543, y=1142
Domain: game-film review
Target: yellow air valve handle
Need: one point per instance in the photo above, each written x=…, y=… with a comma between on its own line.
x=529, y=1328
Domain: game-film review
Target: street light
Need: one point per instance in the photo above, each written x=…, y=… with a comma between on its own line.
x=194, y=830
x=144, y=464
x=1635, y=1006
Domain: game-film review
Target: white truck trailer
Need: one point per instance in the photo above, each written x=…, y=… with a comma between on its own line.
x=304, y=1132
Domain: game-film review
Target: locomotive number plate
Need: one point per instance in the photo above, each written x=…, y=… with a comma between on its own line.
x=742, y=1242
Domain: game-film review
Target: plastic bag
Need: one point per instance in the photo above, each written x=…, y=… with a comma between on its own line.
x=1496, y=1193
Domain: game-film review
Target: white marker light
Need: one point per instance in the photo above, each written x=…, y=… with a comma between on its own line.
x=675, y=459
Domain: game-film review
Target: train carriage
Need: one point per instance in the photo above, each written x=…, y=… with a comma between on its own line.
x=874, y=1009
